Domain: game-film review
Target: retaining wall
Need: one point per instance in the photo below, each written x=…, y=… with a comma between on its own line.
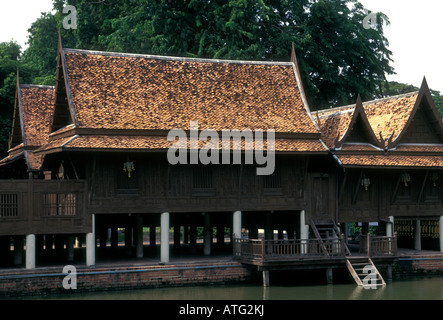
x=50, y=280
x=419, y=265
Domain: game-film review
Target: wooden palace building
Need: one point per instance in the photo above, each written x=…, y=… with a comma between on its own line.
x=88, y=173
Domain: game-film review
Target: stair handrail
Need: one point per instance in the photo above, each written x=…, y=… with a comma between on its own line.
x=320, y=240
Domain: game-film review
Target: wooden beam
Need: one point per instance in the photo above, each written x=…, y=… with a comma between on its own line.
x=423, y=185
x=357, y=188
x=342, y=187
x=394, y=194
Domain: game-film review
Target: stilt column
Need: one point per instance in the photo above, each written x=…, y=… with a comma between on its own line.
x=18, y=250
x=304, y=231
x=390, y=227
x=236, y=224
x=164, y=237
x=207, y=235
x=265, y=278
x=139, y=236
x=440, y=225
x=30, y=251
x=90, y=245
x=417, y=235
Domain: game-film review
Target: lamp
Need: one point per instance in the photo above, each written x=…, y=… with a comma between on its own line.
x=405, y=178
x=128, y=167
x=434, y=178
x=365, y=182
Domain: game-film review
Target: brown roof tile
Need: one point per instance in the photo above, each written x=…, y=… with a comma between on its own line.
x=391, y=161
x=122, y=91
x=144, y=143
x=389, y=116
x=37, y=104
x=333, y=123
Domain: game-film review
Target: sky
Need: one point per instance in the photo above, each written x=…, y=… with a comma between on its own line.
x=414, y=34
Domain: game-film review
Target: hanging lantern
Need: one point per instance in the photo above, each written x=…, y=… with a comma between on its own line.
x=365, y=182
x=128, y=167
x=434, y=178
x=405, y=178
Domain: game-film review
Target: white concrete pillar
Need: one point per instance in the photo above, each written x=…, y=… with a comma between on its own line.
x=236, y=224
x=440, y=227
x=417, y=235
x=90, y=245
x=390, y=227
x=164, y=237
x=207, y=240
x=304, y=231
x=304, y=228
x=139, y=236
x=30, y=251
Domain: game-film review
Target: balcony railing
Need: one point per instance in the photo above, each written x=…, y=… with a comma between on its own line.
x=260, y=250
x=379, y=246
x=266, y=250
x=42, y=206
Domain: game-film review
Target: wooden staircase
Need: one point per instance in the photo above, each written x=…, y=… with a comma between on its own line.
x=325, y=231
x=364, y=272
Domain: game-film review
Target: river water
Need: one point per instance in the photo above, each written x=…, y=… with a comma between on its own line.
x=420, y=288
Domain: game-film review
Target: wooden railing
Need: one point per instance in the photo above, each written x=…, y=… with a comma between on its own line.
x=265, y=250
x=43, y=206
x=379, y=246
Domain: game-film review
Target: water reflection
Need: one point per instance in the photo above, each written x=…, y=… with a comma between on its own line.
x=425, y=288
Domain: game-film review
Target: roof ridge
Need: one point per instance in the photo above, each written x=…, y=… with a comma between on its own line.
x=349, y=107
x=38, y=86
x=175, y=58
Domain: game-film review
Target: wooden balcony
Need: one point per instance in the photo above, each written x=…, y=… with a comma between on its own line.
x=378, y=246
x=265, y=252
x=43, y=207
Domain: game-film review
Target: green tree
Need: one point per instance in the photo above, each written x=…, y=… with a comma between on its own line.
x=338, y=57
x=10, y=62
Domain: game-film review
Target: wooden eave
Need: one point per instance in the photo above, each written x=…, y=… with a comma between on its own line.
x=16, y=138
x=64, y=112
x=301, y=88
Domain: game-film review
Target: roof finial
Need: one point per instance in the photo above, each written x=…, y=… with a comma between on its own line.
x=293, y=56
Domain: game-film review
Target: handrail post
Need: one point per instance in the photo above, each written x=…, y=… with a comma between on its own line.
x=263, y=249
x=368, y=242
x=395, y=243
x=342, y=244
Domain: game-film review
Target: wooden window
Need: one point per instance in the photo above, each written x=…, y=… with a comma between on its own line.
x=272, y=183
x=8, y=205
x=202, y=180
x=59, y=204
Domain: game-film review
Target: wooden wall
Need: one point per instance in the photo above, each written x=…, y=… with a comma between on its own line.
x=388, y=196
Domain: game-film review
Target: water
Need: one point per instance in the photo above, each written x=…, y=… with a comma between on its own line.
x=422, y=288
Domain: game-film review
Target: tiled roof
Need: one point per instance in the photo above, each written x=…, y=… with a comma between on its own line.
x=34, y=112
x=389, y=116
x=333, y=123
x=124, y=91
x=37, y=104
x=380, y=160
x=144, y=143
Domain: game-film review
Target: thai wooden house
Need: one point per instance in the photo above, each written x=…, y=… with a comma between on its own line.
x=90, y=157
x=389, y=156
x=103, y=148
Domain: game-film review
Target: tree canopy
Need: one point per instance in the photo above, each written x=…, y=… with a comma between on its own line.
x=338, y=56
